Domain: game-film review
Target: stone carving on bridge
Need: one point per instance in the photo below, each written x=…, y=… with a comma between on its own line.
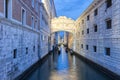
x=63, y=23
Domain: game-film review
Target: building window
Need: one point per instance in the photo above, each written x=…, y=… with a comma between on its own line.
x=87, y=47
x=95, y=28
x=32, y=22
x=33, y=2
x=82, y=21
x=88, y=31
x=34, y=48
x=88, y=17
x=1, y=32
x=27, y=50
x=82, y=32
x=36, y=6
x=107, y=51
x=36, y=24
x=96, y=12
x=8, y=8
x=14, y=53
x=82, y=46
x=109, y=3
x=95, y=48
x=23, y=17
x=109, y=23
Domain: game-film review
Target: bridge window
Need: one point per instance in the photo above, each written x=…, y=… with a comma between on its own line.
x=107, y=51
x=95, y=48
x=109, y=23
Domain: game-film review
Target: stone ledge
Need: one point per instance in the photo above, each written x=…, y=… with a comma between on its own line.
x=32, y=68
x=109, y=73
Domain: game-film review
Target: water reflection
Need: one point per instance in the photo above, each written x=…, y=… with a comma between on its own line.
x=63, y=62
x=66, y=67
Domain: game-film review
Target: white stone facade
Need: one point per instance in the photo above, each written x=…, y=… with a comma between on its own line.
x=101, y=46
x=23, y=40
x=21, y=44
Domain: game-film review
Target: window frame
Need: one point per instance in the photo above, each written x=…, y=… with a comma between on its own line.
x=108, y=3
x=95, y=48
x=108, y=23
x=23, y=20
x=107, y=51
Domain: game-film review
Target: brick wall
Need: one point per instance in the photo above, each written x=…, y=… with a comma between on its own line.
x=2, y=6
x=16, y=10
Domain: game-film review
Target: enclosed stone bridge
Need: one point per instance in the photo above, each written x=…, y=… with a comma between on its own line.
x=63, y=23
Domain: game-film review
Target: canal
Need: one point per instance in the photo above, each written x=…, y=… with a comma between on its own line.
x=64, y=66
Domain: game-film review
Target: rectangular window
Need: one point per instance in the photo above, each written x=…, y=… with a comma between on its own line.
x=88, y=17
x=107, y=51
x=109, y=23
x=1, y=32
x=82, y=46
x=96, y=12
x=27, y=50
x=95, y=48
x=36, y=24
x=82, y=21
x=32, y=22
x=23, y=17
x=82, y=32
x=95, y=28
x=87, y=47
x=36, y=7
x=34, y=48
x=14, y=53
x=8, y=8
x=108, y=3
x=88, y=31
x=33, y=3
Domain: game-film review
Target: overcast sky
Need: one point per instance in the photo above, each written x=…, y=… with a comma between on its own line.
x=71, y=8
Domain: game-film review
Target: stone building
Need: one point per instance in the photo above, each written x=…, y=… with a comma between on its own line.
x=98, y=30
x=51, y=11
x=21, y=27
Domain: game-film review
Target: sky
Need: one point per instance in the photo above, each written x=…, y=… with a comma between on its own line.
x=71, y=8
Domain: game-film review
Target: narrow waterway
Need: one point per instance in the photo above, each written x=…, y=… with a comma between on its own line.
x=63, y=66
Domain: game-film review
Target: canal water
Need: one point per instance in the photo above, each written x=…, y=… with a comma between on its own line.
x=63, y=66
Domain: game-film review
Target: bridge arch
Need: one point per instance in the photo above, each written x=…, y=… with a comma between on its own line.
x=63, y=23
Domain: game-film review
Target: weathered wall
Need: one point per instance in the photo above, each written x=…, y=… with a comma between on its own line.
x=103, y=38
x=20, y=43
x=13, y=36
